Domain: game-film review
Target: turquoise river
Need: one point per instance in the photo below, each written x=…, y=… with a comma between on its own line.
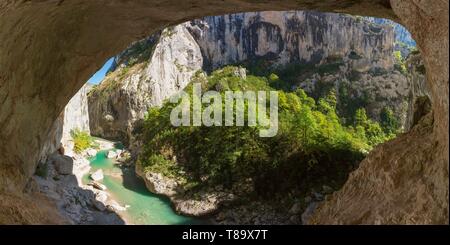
x=145, y=208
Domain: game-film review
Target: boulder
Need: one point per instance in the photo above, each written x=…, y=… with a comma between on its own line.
x=101, y=196
x=109, y=118
x=97, y=175
x=63, y=164
x=111, y=154
x=98, y=185
x=99, y=206
x=115, y=207
x=125, y=156
x=159, y=184
x=91, y=152
x=195, y=207
x=81, y=162
x=119, y=152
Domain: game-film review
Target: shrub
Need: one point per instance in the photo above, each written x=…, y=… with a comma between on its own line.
x=82, y=140
x=389, y=121
x=401, y=66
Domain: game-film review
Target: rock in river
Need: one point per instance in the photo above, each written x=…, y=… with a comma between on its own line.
x=91, y=152
x=111, y=154
x=97, y=175
x=97, y=185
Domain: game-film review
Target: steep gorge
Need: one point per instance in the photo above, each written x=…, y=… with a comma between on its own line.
x=331, y=51
x=69, y=52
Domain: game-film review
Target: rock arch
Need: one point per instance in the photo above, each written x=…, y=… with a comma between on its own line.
x=48, y=48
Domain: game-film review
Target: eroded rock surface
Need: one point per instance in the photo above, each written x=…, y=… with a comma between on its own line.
x=166, y=63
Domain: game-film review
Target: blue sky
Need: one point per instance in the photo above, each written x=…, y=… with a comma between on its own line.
x=100, y=74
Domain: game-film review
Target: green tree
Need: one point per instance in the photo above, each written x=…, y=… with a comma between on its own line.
x=306, y=125
x=389, y=121
x=331, y=98
x=82, y=140
x=372, y=130
x=360, y=117
x=304, y=98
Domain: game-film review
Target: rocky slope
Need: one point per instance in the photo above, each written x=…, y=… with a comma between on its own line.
x=343, y=52
x=60, y=170
x=60, y=180
x=146, y=74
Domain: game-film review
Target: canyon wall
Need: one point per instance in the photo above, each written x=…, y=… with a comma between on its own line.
x=145, y=74
x=292, y=36
x=74, y=116
x=347, y=53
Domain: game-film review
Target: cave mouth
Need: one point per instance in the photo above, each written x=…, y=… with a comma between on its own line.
x=74, y=55
x=331, y=111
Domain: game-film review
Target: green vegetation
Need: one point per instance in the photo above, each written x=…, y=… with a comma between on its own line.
x=350, y=101
x=389, y=122
x=312, y=146
x=401, y=66
x=292, y=73
x=369, y=130
x=82, y=140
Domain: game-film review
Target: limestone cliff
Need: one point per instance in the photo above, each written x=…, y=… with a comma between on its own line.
x=74, y=116
x=349, y=54
x=292, y=36
x=146, y=74
x=315, y=51
x=403, y=39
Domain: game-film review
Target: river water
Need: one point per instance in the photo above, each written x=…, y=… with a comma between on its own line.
x=126, y=188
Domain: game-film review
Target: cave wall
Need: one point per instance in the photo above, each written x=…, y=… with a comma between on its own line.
x=49, y=48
